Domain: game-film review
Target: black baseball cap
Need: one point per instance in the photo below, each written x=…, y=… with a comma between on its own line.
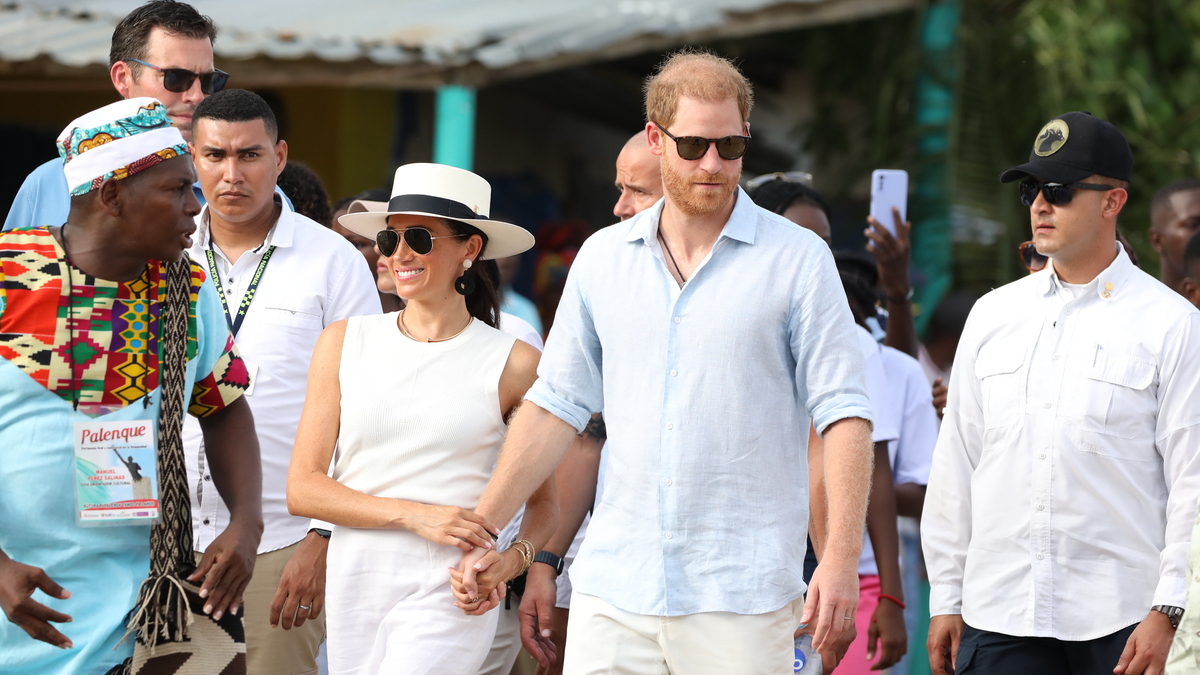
x=1072, y=147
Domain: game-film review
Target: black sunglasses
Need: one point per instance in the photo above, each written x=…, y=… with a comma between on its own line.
x=1057, y=194
x=180, y=80
x=418, y=239
x=694, y=147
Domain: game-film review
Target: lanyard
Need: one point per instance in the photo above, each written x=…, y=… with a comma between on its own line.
x=235, y=322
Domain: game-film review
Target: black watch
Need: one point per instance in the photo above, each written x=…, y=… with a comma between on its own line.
x=323, y=533
x=548, y=558
x=1174, y=614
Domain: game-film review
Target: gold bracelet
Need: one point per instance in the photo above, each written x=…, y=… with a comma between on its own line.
x=519, y=546
x=527, y=553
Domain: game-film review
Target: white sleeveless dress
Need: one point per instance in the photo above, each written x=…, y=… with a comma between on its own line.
x=420, y=422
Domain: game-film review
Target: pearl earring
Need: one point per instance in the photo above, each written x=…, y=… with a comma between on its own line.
x=467, y=264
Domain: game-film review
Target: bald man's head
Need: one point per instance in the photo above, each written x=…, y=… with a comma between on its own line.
x=638, y=177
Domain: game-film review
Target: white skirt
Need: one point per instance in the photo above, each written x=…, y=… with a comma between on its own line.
x=391, y=611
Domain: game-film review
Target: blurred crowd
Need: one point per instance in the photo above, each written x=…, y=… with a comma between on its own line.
x=697, y=440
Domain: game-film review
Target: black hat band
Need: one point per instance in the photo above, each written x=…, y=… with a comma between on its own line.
x=437, y=206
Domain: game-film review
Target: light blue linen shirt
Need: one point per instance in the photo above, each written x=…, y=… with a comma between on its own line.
x=45, y=198
x=707, y=391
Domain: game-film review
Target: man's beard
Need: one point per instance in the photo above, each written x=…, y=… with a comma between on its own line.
x=681, y=191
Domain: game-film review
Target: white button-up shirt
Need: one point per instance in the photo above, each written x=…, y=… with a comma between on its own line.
x=314, y=278
x=1066, y=475
x=707, y=391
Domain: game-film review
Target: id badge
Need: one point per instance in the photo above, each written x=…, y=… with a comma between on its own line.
x=116, y=473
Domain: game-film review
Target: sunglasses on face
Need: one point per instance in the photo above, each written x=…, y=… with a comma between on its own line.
x=1056, y=194
x=418, y=239
x=180, y=80
x=1033, y=261
x=694, y=147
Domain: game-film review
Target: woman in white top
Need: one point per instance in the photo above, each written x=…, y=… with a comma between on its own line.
x=415, y=403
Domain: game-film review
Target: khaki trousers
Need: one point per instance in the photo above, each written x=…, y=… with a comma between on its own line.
x=274, y=651
x=604, y=640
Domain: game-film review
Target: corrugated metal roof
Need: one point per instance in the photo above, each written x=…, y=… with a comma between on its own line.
x=440, y=33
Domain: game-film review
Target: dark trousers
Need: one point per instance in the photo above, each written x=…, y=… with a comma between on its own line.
x=985, y=653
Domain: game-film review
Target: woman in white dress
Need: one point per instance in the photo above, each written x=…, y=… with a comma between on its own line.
x=415, y=403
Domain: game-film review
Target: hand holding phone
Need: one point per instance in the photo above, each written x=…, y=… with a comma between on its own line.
x=889, y=188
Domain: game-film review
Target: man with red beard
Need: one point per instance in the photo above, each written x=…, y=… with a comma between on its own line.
x=162, y=50
x=705, y=330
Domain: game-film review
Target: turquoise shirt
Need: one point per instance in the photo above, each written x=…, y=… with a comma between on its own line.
x=102, y=567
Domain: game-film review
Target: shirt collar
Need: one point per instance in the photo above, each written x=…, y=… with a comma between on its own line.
x=742, y=223
x=1107, y=284
x=280, y=235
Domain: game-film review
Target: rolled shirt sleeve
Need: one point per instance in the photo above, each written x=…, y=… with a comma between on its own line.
x=829, y=363
x=570, y=382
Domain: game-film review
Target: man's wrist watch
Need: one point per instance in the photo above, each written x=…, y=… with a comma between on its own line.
x=321, y=533
x=1172, y=613
x=548, y=558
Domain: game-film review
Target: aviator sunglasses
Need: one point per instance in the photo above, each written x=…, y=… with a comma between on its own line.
x=1056, y=194
x=694, y=147
x=180, y=80
x=418, y=239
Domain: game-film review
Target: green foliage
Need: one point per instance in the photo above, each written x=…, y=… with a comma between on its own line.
x=1132, y=62
x=863, y=76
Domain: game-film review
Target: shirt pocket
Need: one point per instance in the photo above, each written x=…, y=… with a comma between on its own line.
x=296, y=320
x=998, y=367
x=1117, y=399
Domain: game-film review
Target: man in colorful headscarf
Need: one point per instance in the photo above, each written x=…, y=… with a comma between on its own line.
x=81, y=352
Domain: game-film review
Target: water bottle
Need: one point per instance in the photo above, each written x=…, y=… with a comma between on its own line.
x=808, y=661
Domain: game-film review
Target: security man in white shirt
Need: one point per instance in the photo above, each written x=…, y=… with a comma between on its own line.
x=283, y=279
x=1064, y=485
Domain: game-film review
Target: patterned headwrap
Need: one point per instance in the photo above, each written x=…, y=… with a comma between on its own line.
x=117, y=141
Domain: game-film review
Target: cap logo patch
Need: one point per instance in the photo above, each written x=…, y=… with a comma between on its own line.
x=1051, y=138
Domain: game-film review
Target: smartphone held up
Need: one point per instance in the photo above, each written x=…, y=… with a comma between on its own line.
x=889, y=188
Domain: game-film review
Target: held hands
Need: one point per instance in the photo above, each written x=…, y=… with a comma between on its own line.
x=478, y=583
x=537, y=605
x=449, y=525
x=302, y=584
x=887, y=629
x=1146, y=650
x=226, y=568
x=891, y=254
x=17, y=584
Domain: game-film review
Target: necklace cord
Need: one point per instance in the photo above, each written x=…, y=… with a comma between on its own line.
x=410, y=336
x=663, y=239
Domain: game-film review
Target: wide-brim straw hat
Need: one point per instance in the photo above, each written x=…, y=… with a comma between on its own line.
x=440, y=191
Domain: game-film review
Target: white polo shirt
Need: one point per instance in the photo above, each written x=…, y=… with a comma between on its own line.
x=313, y=278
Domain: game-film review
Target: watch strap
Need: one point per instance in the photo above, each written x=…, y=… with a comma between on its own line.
x=1174, y=614
x=320, y=532
x=548, y=558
